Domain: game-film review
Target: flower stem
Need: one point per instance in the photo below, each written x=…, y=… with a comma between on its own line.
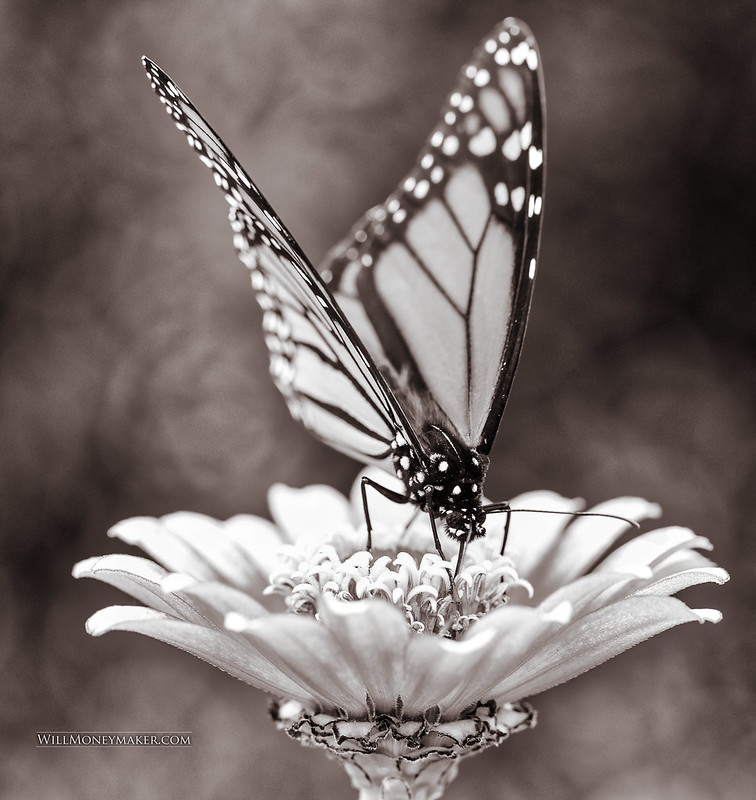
x=426, y=780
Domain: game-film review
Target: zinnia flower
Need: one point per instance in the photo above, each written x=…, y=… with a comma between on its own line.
x=383, y=658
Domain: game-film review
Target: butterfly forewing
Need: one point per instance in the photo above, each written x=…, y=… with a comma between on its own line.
x=406, y=357
x=331, y=385
x=437, y=280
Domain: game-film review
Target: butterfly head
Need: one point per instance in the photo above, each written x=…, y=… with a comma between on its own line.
x=447, y=480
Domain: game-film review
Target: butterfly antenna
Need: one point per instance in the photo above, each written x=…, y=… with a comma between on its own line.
x=498, y=508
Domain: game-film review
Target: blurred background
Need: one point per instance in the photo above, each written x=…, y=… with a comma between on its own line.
x=133, y=376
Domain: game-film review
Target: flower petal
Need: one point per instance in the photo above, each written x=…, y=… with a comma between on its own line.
x=310, y=655
x=315, y=511
x=456, y=674
x=518, y=634
x=199, y=546
x=591, y=592
x=258, y=541
x=438, y=671
x=589, y=641
x=585, y=539
x=216, y=647
x=373, y=636
x=211, y=599
x=140, y=578
x=652, y=547
x=533, y=537
x=671, y=584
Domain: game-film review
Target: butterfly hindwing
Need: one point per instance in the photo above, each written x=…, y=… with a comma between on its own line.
x=329, y=382
x=437, y=280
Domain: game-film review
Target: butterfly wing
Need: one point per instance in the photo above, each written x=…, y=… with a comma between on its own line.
x=328, y=380
x=437, y=280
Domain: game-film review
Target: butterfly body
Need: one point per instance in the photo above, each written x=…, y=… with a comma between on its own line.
x=446, y=481
x=403, y=351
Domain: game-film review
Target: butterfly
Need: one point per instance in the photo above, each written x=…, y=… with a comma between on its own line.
x=402, y=350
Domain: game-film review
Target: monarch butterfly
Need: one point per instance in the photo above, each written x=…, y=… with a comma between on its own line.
x=403, y=350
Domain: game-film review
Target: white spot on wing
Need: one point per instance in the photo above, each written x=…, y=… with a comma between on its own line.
x=520, y=53
x=450, y=145
x=512, y=147
x=482, y=77
x=483, y=143
x=526, y=135
x=517, y=196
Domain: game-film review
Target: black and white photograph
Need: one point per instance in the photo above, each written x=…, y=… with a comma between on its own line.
x=377, y=391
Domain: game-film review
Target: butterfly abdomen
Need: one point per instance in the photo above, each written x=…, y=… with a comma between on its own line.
x=446, y=480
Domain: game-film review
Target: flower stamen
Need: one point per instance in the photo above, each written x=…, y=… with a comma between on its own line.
x=423, y=590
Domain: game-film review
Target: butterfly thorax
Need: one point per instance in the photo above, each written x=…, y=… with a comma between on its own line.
x=445, y=480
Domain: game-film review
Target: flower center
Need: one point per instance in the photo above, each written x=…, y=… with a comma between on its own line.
x=424, y=591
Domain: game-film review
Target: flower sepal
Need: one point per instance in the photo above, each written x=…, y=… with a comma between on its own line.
x=391, y=758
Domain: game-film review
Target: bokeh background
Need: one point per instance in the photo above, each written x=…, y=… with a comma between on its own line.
x=134, y=378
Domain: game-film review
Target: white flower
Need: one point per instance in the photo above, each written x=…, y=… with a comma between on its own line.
x=382, y=658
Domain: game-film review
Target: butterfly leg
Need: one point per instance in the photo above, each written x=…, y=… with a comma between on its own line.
x=498, y=508
x=389, y=494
